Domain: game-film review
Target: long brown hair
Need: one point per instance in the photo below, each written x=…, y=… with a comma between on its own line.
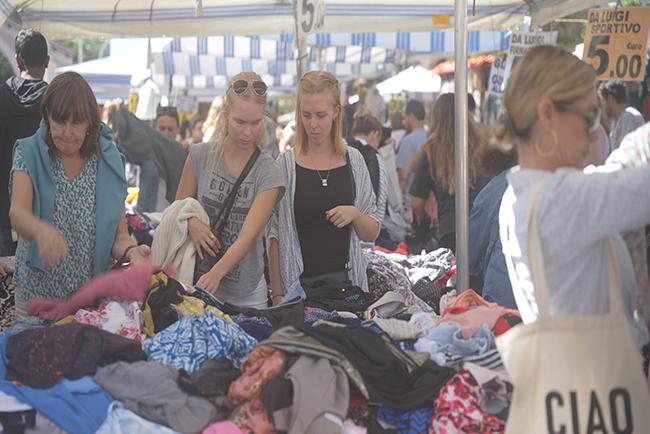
x=439, y=147
x=68, y=96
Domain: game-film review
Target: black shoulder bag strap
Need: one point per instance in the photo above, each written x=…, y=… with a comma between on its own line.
x=348, y=266
x=222, y=217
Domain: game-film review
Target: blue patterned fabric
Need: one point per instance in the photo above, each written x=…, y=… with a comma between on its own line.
x=193, y=339
x=408, y=422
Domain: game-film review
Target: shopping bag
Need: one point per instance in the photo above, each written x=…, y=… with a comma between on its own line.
x=574, y=374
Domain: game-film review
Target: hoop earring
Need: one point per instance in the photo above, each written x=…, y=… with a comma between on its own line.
x=547, y=154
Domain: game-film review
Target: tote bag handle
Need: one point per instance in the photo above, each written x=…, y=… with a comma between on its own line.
x=538, y=273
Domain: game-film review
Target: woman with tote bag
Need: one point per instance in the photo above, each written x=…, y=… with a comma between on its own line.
x=575, y=362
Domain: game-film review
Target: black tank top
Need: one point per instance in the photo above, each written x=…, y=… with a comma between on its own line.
x=324, y=247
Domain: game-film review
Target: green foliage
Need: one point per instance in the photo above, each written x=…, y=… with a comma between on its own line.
x=630, y=3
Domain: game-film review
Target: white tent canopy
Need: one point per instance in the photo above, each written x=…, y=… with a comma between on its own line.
x=74, y=18
x=413, y=79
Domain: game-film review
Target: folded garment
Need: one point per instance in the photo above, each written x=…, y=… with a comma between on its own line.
x=212, y=379
x=226, y=427
x=320, y=396
x=122, y=318
x=414, y=421
x=193, y=339
x=405, y=387
x=261, y=365
x=446, y=340
x=123, y=421
x=126, y=284
x=78, y=407
x=40, y=357
x=150, y=390
x=470, y=320
x=457, y=409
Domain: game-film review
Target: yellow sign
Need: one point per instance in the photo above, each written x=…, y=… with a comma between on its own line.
x=615, y=42
x=440, y=19
x=133, y=101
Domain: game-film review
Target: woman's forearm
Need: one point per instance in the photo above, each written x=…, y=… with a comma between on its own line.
x=274, y=267
x=25, y=223
x=366, y=227
x=121, y=243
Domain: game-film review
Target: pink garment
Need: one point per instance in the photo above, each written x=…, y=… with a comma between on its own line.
x=128, y=284
x=350, y=428
x=472, y=320
x=122, y=318
x=261, y=365
x=226, y=427
x=457, y=409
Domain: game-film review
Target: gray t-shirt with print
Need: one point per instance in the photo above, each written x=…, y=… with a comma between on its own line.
x=214, y=183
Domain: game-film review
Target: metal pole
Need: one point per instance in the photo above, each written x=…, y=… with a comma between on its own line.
x=301, y=43
x=461, y=150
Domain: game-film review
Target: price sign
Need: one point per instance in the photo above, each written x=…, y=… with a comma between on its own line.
x=615, y=42
x=497, y=75
x=310, y=16
x=520, y=43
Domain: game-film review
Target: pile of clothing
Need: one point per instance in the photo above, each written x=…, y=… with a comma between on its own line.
x=137, y=351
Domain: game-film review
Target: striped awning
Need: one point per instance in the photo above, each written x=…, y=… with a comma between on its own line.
x=373, y=47
x=206, y=71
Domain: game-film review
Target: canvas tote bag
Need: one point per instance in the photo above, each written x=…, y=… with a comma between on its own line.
x=574, y=374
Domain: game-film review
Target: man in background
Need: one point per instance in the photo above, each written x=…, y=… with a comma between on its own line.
x=625, y=118
x=20, y=115
x=412, y=141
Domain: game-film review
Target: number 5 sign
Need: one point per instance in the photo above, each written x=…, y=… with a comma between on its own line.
x=311, y=16
x=615, y=42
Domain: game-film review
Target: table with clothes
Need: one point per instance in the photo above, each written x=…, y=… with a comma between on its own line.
x=136, y=351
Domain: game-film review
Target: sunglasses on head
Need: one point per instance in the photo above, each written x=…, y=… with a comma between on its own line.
x=241, y=86
x=591, y=117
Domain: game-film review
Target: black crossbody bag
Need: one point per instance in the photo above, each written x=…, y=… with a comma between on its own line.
x=202, y=266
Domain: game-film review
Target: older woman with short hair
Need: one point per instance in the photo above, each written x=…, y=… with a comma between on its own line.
x=67, y=198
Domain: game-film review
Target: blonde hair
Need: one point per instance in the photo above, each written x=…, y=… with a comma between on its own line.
x=365, y=122
x=214, y=114
x=546, y=71
x=440, y=149
x=221, y=127
x=312, y=83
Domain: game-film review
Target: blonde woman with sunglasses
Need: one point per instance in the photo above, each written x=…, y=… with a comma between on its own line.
x=211, y=172
x=330, y=206
x=551, y=116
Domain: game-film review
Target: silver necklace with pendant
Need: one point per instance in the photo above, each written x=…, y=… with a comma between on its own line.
x=323, y=181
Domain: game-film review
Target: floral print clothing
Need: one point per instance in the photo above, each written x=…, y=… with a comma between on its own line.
x=74, y=218
x=262, y=364
x=122, y=318
x=458, y=409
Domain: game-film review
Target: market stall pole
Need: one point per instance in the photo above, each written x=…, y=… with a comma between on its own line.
x=461, y=151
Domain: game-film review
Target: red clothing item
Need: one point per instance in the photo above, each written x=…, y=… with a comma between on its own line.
x=126, y=284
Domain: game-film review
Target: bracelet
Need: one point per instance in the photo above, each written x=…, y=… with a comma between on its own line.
x=127, y=250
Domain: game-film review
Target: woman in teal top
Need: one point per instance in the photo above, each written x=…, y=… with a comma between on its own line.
x=67, y=198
